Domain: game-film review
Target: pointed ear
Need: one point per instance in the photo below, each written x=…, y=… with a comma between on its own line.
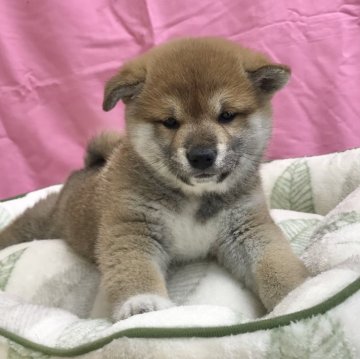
x=270, y=78
x=125, y=85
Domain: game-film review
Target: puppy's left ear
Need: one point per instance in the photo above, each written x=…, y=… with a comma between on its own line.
x=126, y=84
x=270, y=78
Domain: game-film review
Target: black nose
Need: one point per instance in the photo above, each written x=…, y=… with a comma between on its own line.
x=201, y=158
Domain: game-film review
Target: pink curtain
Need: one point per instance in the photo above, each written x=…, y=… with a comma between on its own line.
x=56, y=55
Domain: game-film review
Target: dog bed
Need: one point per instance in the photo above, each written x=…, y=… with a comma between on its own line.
x=52, y=304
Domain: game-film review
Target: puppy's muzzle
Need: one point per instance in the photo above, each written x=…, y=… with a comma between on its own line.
x=201, y=158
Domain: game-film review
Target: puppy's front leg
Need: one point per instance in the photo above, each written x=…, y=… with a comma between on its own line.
x=132, y=267
x=277, y=270
x=259, y=254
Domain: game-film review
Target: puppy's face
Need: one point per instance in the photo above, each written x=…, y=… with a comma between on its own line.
x=198, y=109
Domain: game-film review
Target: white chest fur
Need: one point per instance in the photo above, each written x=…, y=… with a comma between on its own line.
x=190, y=239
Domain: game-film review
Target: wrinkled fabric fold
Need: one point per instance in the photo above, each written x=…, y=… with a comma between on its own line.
x=56, y=56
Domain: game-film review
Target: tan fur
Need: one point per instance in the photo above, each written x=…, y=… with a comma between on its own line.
x=33, y=223
x=119, y=211
x=278, y=272
x=100, y=148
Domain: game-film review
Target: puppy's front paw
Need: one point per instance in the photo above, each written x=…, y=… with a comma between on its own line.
x=139, y=304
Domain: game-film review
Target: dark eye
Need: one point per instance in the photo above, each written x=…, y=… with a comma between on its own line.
x=171, y=123
x=226, y=117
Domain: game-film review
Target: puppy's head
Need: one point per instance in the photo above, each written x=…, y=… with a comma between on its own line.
x=198, y=110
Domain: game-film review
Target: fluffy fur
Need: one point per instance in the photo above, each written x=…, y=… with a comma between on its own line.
x=139, y=204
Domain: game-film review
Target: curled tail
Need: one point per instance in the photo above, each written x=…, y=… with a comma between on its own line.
x=100, y=148
x=43, y=220
x=35, y=223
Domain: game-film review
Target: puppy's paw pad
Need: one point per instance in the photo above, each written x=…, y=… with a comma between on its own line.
x=139, y=304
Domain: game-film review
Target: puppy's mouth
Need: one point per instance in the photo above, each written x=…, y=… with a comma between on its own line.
x=203, y=178
x=215, y=174
x=204, y=175
x=210, y=177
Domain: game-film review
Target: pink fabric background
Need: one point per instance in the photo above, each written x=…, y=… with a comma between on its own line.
x=56, y=55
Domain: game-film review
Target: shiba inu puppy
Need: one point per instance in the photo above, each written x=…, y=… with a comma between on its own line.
x=182, y=183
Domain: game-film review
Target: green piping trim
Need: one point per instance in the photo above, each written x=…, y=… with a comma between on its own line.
x=199, y=332
x=24, y=194
x=15, y=197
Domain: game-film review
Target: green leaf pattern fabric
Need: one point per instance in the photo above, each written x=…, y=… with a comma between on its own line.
x=5, y=217
x=299, y=232
x=292, y=190
x=336, y=222
x=7, y=265
x=17, y=351
x=82, y=331
x=321, y=338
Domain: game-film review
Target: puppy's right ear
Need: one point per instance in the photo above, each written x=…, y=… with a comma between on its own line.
x=125, y=85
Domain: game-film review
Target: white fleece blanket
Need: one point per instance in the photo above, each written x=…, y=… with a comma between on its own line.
x=50, y=296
